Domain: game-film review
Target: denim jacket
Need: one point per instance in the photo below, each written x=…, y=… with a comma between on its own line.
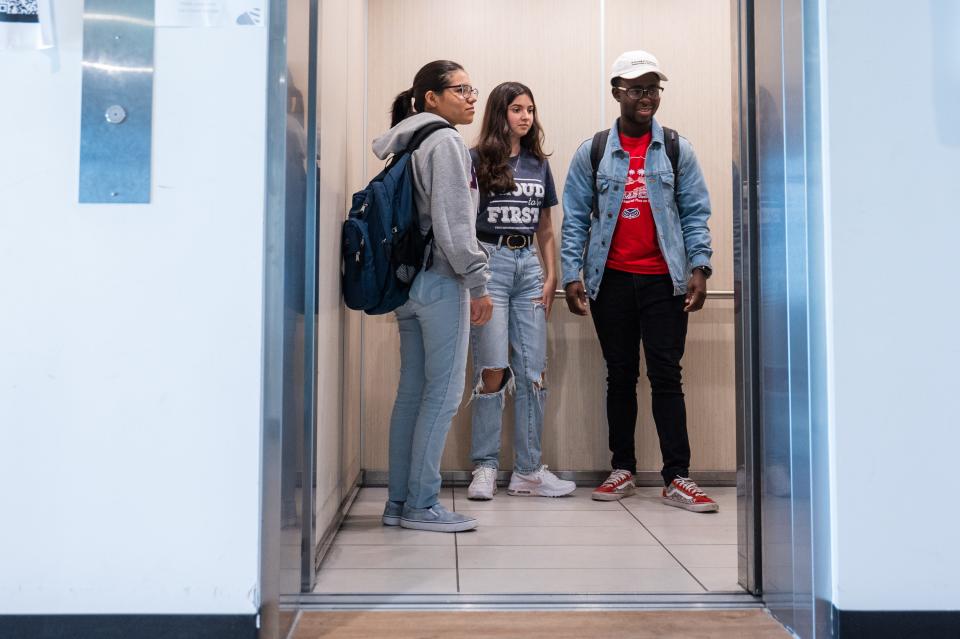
x=680, y=216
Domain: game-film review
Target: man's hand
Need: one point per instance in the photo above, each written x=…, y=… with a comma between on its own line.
x=481, y=310
x=696, y=292
x=576, y=298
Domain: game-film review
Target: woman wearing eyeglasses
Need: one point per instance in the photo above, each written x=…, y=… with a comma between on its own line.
x=445, y=298
x=509, y=352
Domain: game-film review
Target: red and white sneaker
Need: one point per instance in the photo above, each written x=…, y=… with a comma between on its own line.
x=684, y=493
x=617, y=486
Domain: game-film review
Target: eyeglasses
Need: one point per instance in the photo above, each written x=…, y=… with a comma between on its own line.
x=635, y=93
x=465, y=90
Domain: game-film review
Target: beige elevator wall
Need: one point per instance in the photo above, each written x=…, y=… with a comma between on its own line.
x=340, y=87
x=562, y=49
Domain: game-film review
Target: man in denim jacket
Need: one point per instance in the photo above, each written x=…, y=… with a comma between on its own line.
x=642, y=243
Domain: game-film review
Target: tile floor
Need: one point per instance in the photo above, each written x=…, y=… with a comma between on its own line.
x=539, y=545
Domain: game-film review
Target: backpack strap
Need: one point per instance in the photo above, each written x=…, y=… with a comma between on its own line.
x=423, y=133
x=597, y=147
x=418, y=138
x=671, y=141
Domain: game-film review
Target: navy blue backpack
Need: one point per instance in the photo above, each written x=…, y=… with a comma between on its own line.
x=382, y=248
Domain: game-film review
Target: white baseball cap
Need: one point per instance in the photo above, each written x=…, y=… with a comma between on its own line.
x=633, y=64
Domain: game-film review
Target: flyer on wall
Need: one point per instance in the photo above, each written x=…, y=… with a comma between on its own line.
x=210, y=13
x=25, y=24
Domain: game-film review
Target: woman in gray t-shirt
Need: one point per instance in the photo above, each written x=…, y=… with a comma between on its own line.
x=509, y=352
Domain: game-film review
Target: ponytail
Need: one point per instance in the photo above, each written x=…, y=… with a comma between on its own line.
x=402, y=107
x=431, y=77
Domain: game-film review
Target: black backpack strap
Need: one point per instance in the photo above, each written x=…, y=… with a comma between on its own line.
x=423, y=133
x=597, y=147
x=671, y=142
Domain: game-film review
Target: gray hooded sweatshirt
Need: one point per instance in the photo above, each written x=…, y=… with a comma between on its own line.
x=446, y=198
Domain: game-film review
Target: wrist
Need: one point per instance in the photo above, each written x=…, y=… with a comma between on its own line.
x=706, y=271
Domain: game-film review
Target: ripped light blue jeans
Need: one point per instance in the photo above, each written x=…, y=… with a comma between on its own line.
x=515, y=339
x=434, y=330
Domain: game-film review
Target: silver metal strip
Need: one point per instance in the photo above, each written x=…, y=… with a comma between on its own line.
x=716, y=295
x=572, y=601
x=581, y=477
x=273, y=322
x=361, y=394
x=116, y=116
x=745, y=315
x=308, y=505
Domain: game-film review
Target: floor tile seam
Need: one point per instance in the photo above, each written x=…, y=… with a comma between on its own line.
x=542, y=525
x=599, y=569
x=664, y=546
x=630, y=545
x=533, y=511
x=690, y=543
x=401, y=545
x=607, y=569
x=456, y=546
x=554, y=545
x=391, y=568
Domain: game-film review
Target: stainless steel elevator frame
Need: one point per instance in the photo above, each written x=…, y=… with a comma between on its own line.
x=774, y=140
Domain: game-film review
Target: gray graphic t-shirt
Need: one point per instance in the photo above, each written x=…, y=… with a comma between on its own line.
x=518, y=212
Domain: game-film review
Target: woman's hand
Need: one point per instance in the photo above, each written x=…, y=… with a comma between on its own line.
x=549, y=288
x=481, y=310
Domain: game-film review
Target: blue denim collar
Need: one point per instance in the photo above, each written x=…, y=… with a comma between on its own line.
x=656, y=135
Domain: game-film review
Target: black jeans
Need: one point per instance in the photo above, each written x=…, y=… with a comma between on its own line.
x=631, y=309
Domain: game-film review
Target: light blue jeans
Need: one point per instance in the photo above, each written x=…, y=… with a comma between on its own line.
x=434, y=332
x=515, y=339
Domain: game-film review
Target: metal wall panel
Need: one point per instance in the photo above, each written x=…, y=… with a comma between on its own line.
x=774, y=328
x=289, y=310
x=745, y=293
x=117, y=106
x=819, y=366
x=788, y=208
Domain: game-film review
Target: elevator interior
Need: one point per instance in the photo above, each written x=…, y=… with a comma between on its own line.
x=345, y=61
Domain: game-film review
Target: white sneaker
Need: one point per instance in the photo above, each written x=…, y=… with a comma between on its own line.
x=539, y=483
x=484, y=484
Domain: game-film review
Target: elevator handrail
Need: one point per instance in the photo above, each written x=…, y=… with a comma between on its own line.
x=720, y=295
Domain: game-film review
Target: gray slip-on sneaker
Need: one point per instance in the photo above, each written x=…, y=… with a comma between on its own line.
x=391, y=513
x=437, y=519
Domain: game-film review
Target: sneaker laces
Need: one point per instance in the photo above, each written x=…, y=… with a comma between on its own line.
x=689, y=486
x=484, y=475
x=616, y=477
x=543, y=472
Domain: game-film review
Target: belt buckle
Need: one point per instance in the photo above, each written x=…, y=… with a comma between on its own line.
x=522, y=239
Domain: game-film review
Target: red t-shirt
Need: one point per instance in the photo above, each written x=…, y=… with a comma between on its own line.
x=634, y=246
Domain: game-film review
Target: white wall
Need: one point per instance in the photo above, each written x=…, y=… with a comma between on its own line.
x=893, y=77
x=130, y=339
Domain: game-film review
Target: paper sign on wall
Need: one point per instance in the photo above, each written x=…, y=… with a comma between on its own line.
x=25, y=24
x=210, y=13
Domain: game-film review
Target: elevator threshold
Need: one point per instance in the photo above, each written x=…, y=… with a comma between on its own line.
x=545, y=602
x=661, y=624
